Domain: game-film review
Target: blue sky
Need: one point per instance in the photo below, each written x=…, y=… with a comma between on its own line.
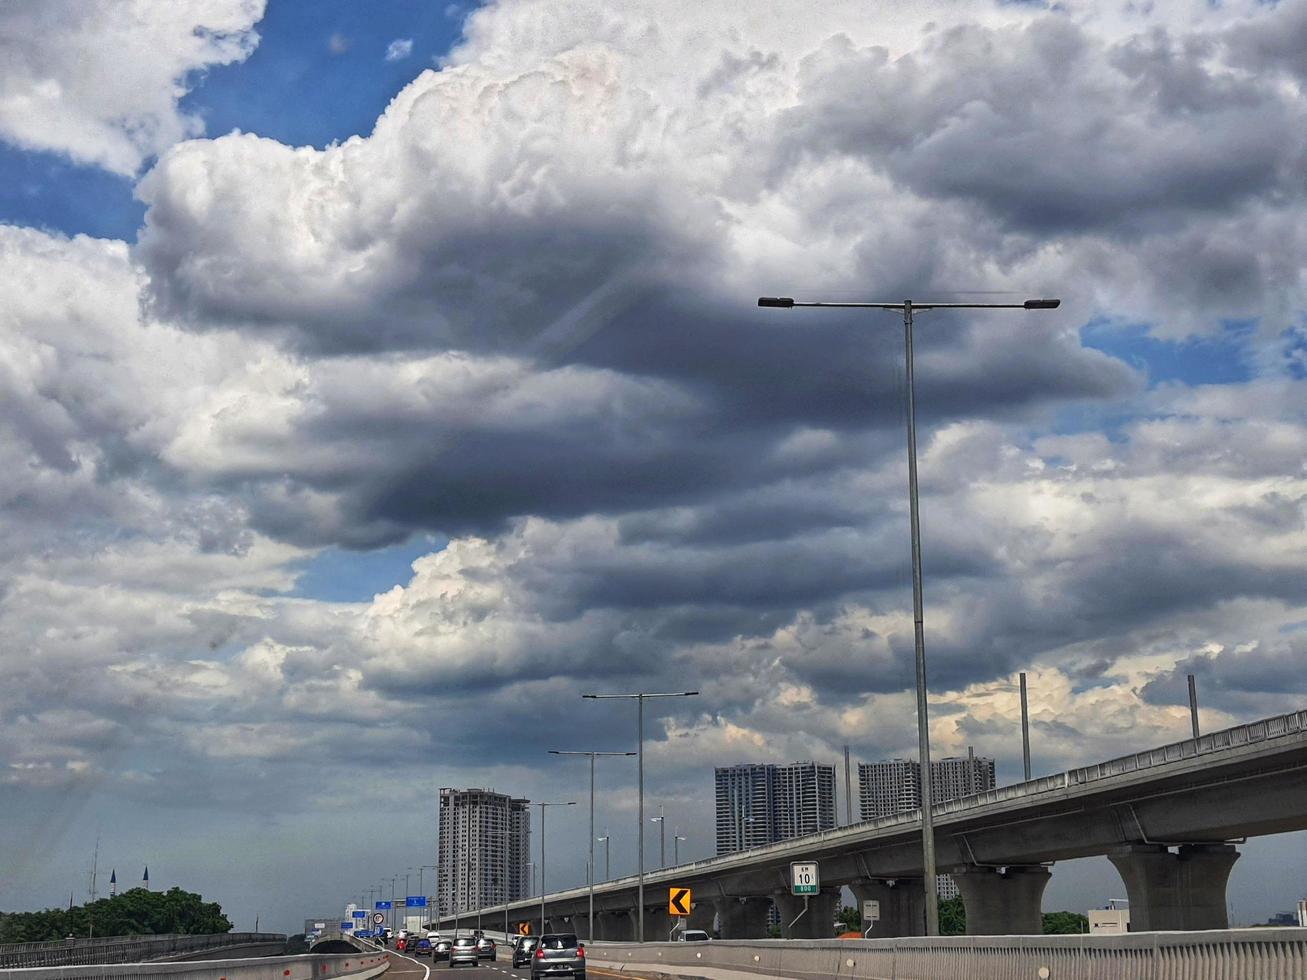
x=319, y=75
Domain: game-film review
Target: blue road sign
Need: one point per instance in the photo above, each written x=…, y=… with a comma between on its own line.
x=383, y=905
x=347, y=926
x=416, y=901
x=359, y=914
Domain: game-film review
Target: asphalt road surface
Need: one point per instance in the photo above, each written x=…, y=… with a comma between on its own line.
x=420, y=968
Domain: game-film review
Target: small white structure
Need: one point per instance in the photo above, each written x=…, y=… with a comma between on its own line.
x=1111, y=920
x=1302, y=912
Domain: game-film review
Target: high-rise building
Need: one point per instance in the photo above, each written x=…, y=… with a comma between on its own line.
x=894, y=786
x=482, y=850
x=889, y=787
x=760, y=803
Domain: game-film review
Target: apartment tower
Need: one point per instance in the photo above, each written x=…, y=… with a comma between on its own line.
x=482, y=850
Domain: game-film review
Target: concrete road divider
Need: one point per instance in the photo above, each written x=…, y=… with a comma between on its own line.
x=1248, y=954
x=309, y=966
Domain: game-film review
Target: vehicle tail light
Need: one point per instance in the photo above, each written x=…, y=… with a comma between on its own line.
x=540, y=953
x=580, y=952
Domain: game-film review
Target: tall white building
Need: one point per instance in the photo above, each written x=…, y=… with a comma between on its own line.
x=482, y=850
x=760, y=803
x=894, y=786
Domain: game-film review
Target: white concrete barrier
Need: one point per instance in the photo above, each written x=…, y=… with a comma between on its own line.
x=309, y=966
x=1233, y=954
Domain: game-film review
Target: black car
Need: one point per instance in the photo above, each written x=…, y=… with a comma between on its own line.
x=523, y=950
x=558, y=952
x=485, y=948
x=440, y=950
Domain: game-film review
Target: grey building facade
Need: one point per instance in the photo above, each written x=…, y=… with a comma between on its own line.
x=894, y=786
x=482, y=849
x=760, y=803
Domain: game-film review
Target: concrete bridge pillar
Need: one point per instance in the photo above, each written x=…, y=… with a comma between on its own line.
x=902, y=905
x=1005, y=903
x=1184, y=889
x=657, y=924
x=816, y=923
x=702, y=915
x=615, y=926
x=742, y=917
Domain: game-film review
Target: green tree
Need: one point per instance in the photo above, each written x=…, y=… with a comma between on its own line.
x=137, y=912
x=952, y=917
x=850, y=919
x=1065, y=923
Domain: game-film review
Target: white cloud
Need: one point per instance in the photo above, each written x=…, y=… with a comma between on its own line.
x=399, y=49
x=101, y=80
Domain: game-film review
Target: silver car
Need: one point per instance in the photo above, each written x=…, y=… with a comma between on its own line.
x=558, y=952
x=464, y=950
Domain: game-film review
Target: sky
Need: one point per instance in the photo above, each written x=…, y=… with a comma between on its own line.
x=377, y=376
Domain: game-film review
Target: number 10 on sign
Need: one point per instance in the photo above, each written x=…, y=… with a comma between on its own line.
x=804, y=879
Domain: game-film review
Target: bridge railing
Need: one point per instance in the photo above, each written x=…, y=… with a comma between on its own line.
x=124, y=949
x=1278, y=726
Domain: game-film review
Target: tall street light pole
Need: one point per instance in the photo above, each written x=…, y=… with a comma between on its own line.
x=607, y=874
x=906, y=308
x=590, y=868
x=639, y=699
x=661, y=821
x=542, y=856
x=676, y=848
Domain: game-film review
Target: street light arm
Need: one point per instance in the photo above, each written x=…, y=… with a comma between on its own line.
x=671, y=694
x=787, y=303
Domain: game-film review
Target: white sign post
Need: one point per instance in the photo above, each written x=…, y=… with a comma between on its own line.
x=870, y=914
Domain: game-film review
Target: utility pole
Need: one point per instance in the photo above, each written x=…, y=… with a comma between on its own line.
x=639, y=699
x=590, y=864
x=906, y=309
x=1025, y=729
x=848, y=789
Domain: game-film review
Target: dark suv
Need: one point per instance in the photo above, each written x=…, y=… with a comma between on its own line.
x=558, y=952
x=523, y=950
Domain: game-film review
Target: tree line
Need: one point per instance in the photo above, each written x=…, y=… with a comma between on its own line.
x=138, y=912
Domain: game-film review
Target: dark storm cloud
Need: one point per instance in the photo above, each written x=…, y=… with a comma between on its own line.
x=1047, y=131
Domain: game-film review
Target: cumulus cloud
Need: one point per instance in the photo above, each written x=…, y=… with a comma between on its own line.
x=101, y=80
x=399, y=49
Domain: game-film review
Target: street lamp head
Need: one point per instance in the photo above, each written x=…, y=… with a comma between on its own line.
x=1042, y=304
x=777, y=302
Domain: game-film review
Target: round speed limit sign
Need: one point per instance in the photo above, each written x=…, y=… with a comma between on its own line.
x=378, y=917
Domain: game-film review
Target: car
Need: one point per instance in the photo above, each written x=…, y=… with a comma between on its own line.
x=464, y=950
x=558, y=952
x=440, y=949
x=486, y=948
x=523, y=950
x=692, y=936
x=421, y=947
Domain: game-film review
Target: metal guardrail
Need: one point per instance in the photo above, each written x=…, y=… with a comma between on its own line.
x=124, y=949
x=1277, y=726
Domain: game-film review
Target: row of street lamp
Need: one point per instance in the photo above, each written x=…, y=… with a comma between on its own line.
x=906, y=308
